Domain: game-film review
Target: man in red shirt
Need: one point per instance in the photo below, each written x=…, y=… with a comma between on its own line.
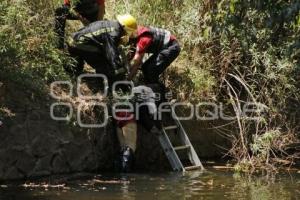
x=161, y=44
x=86, y=11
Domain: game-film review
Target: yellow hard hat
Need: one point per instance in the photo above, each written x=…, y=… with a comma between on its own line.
x=128, y=22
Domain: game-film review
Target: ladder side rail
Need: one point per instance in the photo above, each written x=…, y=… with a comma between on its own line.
x=170, y=152
x=184, y=137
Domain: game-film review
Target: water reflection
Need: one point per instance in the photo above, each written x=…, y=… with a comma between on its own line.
x=193, y=185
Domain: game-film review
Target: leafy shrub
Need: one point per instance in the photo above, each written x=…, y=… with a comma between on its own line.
x=27, y=49
x=237, y=51
x=234, y=51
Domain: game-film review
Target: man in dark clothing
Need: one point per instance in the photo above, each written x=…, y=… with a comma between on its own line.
x=86, y=11
x=145, y=101
x=161, y=44
x=97, y=44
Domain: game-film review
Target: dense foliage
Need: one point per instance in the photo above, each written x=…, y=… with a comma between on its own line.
x=237, y=51
x=27, y=48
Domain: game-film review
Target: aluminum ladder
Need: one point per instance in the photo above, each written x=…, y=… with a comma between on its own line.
x=186, y=146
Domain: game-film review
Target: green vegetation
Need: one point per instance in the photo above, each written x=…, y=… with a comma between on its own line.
x=27, y=50
x=234, y=51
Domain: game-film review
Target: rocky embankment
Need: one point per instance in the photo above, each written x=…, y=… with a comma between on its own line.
x=32, y=144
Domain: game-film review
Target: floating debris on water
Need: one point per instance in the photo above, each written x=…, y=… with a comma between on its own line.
x=109, y=181
x=46, y=186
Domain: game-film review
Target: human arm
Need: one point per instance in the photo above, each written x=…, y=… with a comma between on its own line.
x=136, y=63
x=142, y=44
x=83, y=20
x=101, y=11
x=111, y=52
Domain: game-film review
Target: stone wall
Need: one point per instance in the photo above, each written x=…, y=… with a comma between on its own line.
x=33, y=145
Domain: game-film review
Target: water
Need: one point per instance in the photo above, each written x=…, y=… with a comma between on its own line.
x=211, y=184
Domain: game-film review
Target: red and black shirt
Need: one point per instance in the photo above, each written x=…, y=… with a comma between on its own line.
x=146, y=39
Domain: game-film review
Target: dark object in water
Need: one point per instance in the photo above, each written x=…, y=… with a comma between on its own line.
x=127, y=160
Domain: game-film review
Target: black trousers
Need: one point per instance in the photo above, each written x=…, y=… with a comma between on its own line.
x=158, y=63
x=93, y=58
x=96, y=59
x=145, y=119
x=61, y=15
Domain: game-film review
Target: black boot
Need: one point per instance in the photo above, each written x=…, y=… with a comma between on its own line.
x=127, y=160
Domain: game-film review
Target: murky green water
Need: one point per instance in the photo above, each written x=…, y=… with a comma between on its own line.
x=211, y=184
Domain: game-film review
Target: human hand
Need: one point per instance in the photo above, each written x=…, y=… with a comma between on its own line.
x=83, y=20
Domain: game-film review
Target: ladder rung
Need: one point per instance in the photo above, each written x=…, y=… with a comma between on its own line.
x=192, y=168
x=182, y=147
x=171, y=127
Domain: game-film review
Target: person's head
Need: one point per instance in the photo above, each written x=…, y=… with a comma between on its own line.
x=129, y=24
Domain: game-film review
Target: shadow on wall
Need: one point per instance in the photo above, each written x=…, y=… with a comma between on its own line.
x=32, y=144
x=207, y=138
